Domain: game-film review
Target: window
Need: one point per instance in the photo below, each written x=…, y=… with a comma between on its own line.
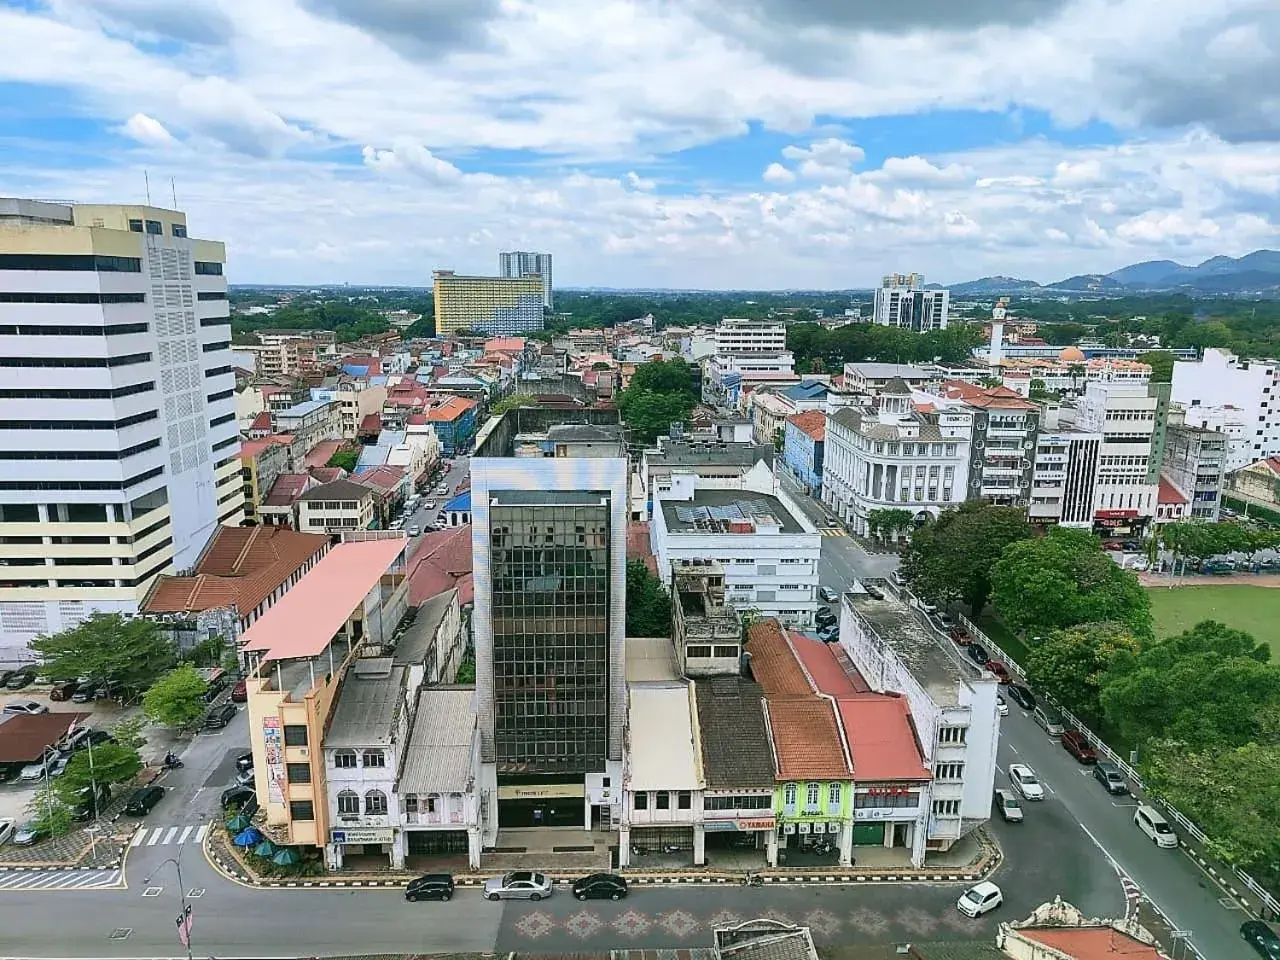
x=662, y=800
x=298, y=772
x=833, y=795
x=886, y=799
x=179, y=230
x=344, y=759
x=295, y=735
x=93, y=298
x=220, y=395
x=642, y=800
x=219, y=421
x=301, y=810
x=206, y=268
x=951, y=734
x=348, y=802
x=41, y=362
x=946, y=808
x=217, y=371
x=374, y=758
x=78, y=394
x=375, y=803
x=216, y=346
x=212, y=295
x=697, y=652
x=87, y=262
x=135, y=226
x=156, y=228
x=789, y=794
x=759, y=802
x=684, y=800
x=811, y=794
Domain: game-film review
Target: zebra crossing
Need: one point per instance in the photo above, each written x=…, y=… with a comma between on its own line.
x=164, y=836
x=61, y=879
x=833, y=531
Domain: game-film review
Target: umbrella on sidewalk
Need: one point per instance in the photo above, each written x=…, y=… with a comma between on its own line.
x=248, y=837
x=287, y=857
x=265, y=849
x=239, y=822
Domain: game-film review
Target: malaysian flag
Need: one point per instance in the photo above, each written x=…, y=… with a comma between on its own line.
x=184, y=926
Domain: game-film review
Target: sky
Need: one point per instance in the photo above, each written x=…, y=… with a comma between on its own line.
x=743, y=144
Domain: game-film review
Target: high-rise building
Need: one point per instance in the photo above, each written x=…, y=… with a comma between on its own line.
x=521, y=263
x=1225, y=385
x=493, y=305
x=549, y=512
x=902, y=301
x=117, y=409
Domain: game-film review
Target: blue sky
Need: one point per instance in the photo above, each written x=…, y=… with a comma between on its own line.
x=689, y=144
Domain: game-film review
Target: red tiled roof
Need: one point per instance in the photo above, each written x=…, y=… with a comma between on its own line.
x=811, y=422
x=441, y=561
x=881, y=738
x=1273, y=464
x=262, y=421
x=1091, y=943
x=371, y=423
x=241, y=567
x=326, y=474
x=773, y=662
x=24, y=738
x=287, y=488
x=383, y=479
x=825, y=672
x=1169, y=493
x=1001, y=398
x=451, y=409
x=318, y=456
x=250, y=449
x=638, y=547
x=806, y=739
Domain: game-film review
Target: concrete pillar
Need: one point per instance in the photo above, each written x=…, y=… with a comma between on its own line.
x=699, y=845
x=919, y=841
x=846, y=843
x=333, y=856
x=398, y=843
x=771, y=848
x=624, y=846
x=586, y=811
x=474, y=846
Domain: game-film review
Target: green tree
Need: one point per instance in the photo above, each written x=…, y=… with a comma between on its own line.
x=109, y=763
x=128, y=732
x=209, y=652
x=648, y=603
x=177, y=699
x=344, y=458
x=1161, y=364
x=1211, y=686
x=887, y=524
x=1070, y=664
x=510, y=402
x=127, y=653
x=951, y=558
x=466, y=670
x=660, y=393
x=49, y=814
x=1063, y=579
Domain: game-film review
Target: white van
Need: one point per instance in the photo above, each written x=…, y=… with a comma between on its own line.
x=1151, y=822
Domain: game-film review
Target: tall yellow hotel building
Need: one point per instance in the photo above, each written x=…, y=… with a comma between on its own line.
x=117, y=413
x=500, y=306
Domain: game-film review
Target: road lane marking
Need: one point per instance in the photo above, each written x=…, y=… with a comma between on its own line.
x=1013, y=749
x=155, y=836
x=168, y=837
x=186, y=832
x=138, y=837
x=200, y=834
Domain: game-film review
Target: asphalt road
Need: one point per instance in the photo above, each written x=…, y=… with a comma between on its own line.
x=457, y=476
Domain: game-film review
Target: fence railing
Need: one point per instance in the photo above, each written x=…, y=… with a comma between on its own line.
x=1267, y=900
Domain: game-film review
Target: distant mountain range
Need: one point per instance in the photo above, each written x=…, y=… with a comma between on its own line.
x=1254, y=273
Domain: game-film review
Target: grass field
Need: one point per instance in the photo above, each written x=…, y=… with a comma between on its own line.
x=1255, y=610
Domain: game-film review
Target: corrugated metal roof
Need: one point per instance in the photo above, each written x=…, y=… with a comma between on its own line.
x=437, y=758
x=367, y=706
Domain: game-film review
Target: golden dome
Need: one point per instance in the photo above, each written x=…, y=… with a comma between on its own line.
x=1072, y=355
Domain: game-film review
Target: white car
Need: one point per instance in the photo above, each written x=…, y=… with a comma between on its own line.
x=413, y=530
x=979, y=899
x=1155, y=826
x=1002, y=707
x=428, y=505
x=38, y=770
x=29, y=707
x=1025, y=781
x=7, y=826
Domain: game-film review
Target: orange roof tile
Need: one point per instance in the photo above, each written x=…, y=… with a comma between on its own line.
x=1169, y=493
x=318, y=456
x=451, y=409
x=806, y=739
x=1092, y=943
x=881, y=738
x=499, y=344
x=304, y=621
x=240, y=568
x=773, y=662
x=811, y=422
x=440, y=561
x=251, y=449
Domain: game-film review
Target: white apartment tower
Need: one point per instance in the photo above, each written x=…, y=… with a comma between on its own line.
x=117, y=409
x=902, y=301
x=514, y=264
x=1223, y=388
x=1124, y=493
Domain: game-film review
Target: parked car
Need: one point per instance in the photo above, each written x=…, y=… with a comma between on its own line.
x=1109, y=775
x=244, y=761
x=979, y=899
x=1075, y=743
x=1021, y=696
x=927, y=608
x=29, y=707
x=1152, y=822
x=7, y=828
x=825, y=614
x=978, y=654
x=1026, y=782
x=5, y=675
x=91, y=802
x=1002, y=706
x=1007, y=806
x=413, y=530
x=20, y=679
x=63, y=690
x=600, y=886
x=1049, y=719
x=86, y=690
x=827, y=594
x=431, y=886
x=219, y=716
x=143, y=800
x=1262, y=938
x=898, y=579
x=239, y=693
x=944, y=619
x=245, y=778
x=238, y=797
x=520, y=885
x=28, y=833
x=1000, y=670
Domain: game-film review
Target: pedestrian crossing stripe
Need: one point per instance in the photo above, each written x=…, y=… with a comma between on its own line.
x=60, y=879
x=833, y=532
x=163, y=836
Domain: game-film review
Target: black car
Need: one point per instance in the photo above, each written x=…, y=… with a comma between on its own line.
x=432, y=886
x=1262, y=938
x=244, y=762
x=242, y=798
x=90, y=802
x=142, y=800
x=825, y=613
x=978, y=654
x=1021, y=696
x=20, y=679
x=87, y=690
x=600, y=886
x=220, y=715
x=1109, y=775
x=5, y=675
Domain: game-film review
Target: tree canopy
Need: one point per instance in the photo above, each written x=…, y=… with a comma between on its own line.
x=660, y=393
x=177, y=698
x=1062, y=579
x=108, y=763
x=952, y=557
x=852, y=342
x=127, y=653
x=648, y=603
x=1070, y=664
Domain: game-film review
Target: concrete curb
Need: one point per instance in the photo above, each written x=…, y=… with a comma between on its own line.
x=1220, y=879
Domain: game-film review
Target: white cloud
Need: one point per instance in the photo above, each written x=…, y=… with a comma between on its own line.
x=637, y=182
x=147, y=130
x=412, y=158
x=777, y=173
x=828, y=160
x=918, y=170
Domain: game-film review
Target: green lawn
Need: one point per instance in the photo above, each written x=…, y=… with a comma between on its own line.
x=1255, y=610
x=1002, y=635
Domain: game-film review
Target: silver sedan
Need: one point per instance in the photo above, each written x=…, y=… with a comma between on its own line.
x=521, y=885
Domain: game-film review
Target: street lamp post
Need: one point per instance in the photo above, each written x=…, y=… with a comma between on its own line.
x=184, y=920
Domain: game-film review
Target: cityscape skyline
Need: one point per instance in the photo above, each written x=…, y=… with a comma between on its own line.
x=1011, y=149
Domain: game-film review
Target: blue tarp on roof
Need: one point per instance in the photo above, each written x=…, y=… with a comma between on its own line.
x=459, y=504
x=374, y=455
x=808, y=390
x=351, y=370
